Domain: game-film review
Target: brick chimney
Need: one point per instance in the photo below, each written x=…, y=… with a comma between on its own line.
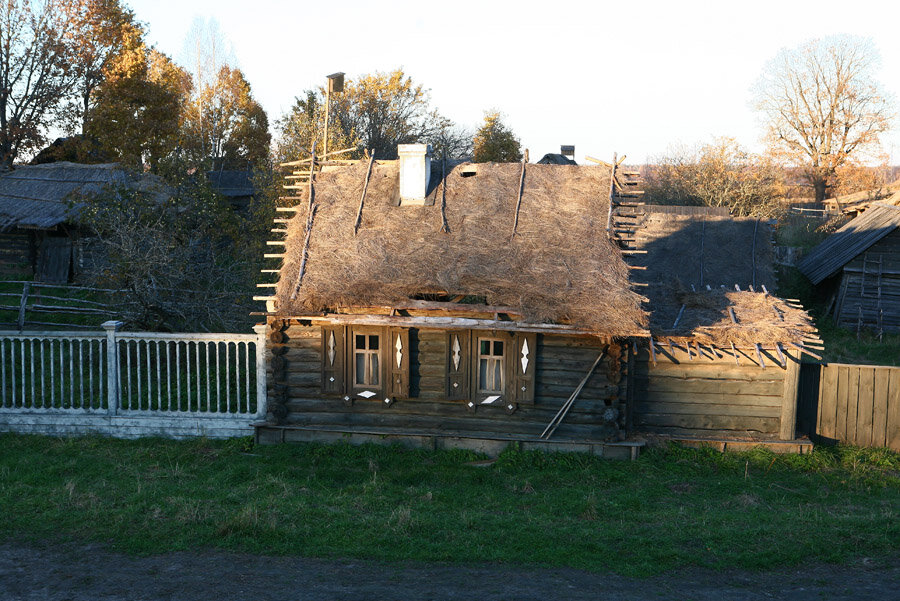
x=415, y=173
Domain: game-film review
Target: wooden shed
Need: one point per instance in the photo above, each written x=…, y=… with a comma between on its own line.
x=860, y=263
x=452, y=306
x=37, y=202
x=723, y=358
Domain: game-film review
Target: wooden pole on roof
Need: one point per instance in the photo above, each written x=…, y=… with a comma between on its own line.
x=521, y=190
x=612, y=195
x=309, y=223
x=362, y=199
x=445, y=227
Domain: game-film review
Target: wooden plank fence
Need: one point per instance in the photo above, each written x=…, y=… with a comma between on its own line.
x=131, y=384
x=851, y=404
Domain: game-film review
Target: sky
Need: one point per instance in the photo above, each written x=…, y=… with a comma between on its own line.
x=636, y=78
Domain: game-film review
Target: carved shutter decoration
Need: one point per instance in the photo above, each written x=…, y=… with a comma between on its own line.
x=458, y=363
x=521, y=367
x=333, y=356
x=396, y=355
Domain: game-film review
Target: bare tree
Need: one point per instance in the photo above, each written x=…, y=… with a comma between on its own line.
x=718, y=174
x=35, y=74
x=823, y=106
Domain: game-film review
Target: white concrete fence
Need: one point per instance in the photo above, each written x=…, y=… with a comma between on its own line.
x=132, y=384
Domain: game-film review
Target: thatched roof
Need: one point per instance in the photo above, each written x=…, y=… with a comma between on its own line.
x=558, y=268
x=853, y=238
x=39, y=196
x=728, y=316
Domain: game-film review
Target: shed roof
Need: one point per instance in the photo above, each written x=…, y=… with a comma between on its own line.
x=702, y=249
x=708, y=278
x=855, y=237
x=39, y=196
x=559, y=267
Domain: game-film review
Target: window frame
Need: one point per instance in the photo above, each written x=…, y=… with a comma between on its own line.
x=494, y=362
x=367, y=354
x=339, y=354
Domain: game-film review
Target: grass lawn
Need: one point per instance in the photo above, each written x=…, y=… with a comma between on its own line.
x=671, y=508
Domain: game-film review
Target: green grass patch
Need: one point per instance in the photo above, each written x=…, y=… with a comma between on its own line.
x=672, y=508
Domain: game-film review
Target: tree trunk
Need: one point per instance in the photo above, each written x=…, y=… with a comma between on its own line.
x=820, y=185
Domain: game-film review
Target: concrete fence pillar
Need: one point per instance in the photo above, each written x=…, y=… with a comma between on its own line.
x=112, y=366
x=261, y=398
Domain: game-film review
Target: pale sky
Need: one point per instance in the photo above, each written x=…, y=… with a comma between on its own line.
x=633, y=77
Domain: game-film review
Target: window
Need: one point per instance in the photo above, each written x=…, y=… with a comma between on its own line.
x=365, y=360
x=490, y=365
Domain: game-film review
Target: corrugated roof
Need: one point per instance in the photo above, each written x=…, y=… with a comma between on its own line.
x=855, y=237
x=39, y=196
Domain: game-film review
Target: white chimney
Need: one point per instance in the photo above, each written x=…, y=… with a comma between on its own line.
x=415, y=173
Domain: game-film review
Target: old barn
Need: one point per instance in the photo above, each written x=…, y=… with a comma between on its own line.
x=39, y=234
x=861, y=264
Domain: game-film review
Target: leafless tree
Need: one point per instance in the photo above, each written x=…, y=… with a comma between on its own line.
x=823, y=106
x=35, y=73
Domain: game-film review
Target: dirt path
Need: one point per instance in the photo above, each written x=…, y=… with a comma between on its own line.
x=92, y=572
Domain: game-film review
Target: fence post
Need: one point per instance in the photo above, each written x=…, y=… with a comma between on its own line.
x=261, y=400
x=112, y=366
x=23, y=304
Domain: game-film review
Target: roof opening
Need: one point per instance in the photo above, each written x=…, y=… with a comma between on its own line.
x=469, y=171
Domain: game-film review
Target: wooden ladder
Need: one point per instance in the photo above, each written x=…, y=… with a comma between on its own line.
x=871, y=277
x=625, y=207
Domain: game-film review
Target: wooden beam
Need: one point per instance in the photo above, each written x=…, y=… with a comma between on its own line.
x=456, y=323
x=521, y=191
x=362, y=199
x=789, y=398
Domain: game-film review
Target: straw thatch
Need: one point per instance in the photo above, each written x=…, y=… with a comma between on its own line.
x=759, y=318
x=558, y=268
x=40, y=196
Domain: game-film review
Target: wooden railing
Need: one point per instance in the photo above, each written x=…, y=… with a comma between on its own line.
x=25, y=304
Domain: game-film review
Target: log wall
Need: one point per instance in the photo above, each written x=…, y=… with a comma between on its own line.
x=17, y=252
x=599, y=413
x=715, y=398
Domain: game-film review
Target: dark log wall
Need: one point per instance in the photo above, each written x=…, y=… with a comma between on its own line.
x=868, y=300
x=712, y=398
x=17, y=252
x=599, y=413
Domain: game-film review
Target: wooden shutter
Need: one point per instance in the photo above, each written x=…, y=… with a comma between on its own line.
x=333, y=356
x=458, y=364
x=396, y=355
x=521, y=367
